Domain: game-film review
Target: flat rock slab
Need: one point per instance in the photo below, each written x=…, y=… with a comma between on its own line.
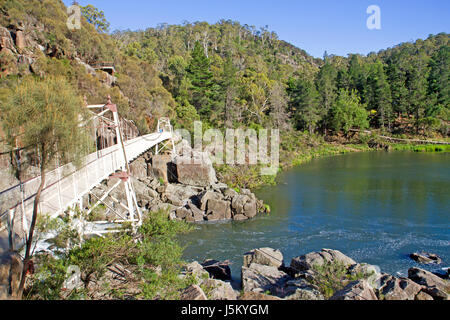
x=193, y=293
x=435, y=286
x=262, y=279
x=357, y=290
x=264, y=256
x=426, y=258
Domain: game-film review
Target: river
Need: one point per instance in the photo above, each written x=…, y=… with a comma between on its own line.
x=375, y=207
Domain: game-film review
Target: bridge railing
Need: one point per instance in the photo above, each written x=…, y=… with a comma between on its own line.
x=67, y=184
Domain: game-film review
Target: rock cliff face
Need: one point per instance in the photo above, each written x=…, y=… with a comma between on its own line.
x=21, y=47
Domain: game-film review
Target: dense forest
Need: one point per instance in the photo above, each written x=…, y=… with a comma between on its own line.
x=229, y=74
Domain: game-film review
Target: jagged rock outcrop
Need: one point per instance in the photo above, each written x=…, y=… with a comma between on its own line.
x=195, y=171
x=308, y=261
x=219, y=290
x=265, y=256
x=426, y=258
x=262, y=279
x=392, y=288
x=300, y=289
x=6, y=41
x=193, y=293
x=269, y=279
x=357, y=290
x=434, y=286
x=156, y=188
x=217, y=270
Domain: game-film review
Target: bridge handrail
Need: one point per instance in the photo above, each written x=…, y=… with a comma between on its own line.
x=113, y=152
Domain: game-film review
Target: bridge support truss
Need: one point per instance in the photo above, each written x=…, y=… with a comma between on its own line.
x=133, y=213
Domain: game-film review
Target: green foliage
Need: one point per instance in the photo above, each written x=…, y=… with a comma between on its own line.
x=155, y=260
x=333, y=276
x=348, y=112
x=421, y=148
x=304, y=103
x=48, y=280
x=96, y=17
x=235, y=75
x=201, y=78
x=45, y=114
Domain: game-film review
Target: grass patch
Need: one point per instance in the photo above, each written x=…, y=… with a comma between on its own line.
x=421, y=148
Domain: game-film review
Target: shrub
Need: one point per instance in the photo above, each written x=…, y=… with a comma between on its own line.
x=332, y=277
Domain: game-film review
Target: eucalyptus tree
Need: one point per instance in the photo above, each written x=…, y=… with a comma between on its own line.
x=45, y=115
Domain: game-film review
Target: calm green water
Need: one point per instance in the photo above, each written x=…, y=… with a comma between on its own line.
x=375, y=207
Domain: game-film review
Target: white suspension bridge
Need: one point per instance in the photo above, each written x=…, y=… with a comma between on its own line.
x=66, y=185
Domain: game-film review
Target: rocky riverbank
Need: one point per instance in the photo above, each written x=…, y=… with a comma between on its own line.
x=188, y=191
x=324, y=275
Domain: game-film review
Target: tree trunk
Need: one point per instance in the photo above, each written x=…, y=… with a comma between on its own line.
x=29, y=243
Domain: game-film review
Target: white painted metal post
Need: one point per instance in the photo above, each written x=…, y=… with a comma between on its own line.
x=11, y=235
x=119, y=138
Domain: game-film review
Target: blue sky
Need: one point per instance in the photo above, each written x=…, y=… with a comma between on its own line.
x=339, y=27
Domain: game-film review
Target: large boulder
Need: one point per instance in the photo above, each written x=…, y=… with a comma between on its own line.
x=195, y=171
x=218, y=210
x=11, y=267
x=197, y=214
x=422, y=296
x=196, y=269
x=426, y=258
x=138, y=168
x=160, y=166
x=193, y=293
x=264, y=256
x=180, y=191
x=368, y=272
x=300, y=289
x=238, y=203
x=243, y=204
x=262, y=279
x=205, y=196
x=183, y=213
x=392, y=288
x=308, y=261
x=435, y=286
x=240, y=217
x=250, y=209
x=218, y=270
x=357, y=290
x=6, y=41
x=219, y=290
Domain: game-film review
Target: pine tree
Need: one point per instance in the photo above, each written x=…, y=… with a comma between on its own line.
x=304, y=103
x=326, y=83
x=396, y=72
x=417, y=87
x=378, y=94
x=357, y=76
x=438, y=81
x=201, y=77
